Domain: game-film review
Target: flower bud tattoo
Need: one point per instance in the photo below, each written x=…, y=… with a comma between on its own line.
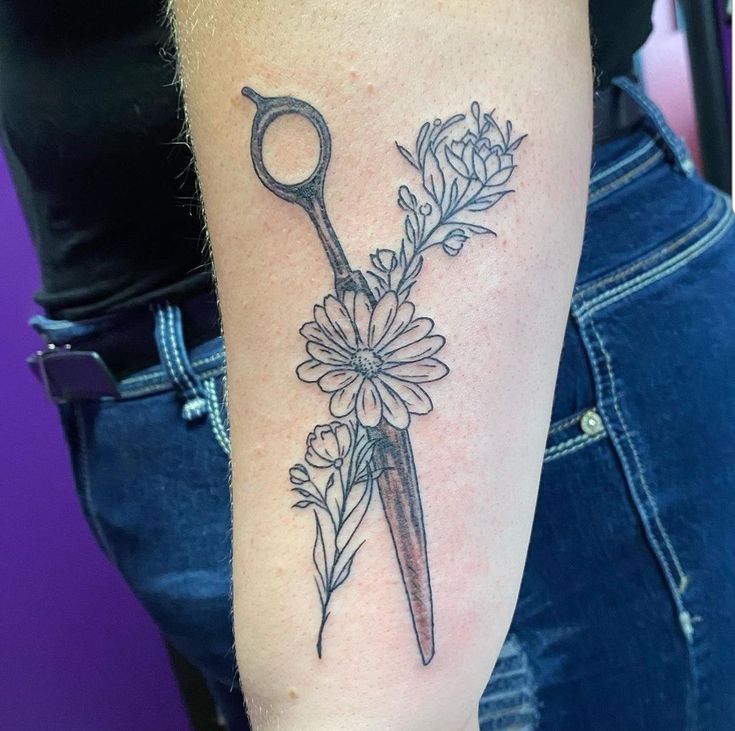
x=370, y=353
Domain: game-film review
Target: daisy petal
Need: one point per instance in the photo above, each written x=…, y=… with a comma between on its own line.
x=394, y=410
x=369, y=409
x=424, y=348
x=420, y=371
x=418, y=329
x=313, y=333
x=416, y=399
x=382, y=317
x=340, y=319
x=336, y=380
x=326, y=355
x=399, y=324
x=343, y=402
x=360, y=313
x=312, y=370
x=324, y=323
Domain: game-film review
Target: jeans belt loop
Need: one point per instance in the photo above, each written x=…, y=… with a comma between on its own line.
x=175, y=360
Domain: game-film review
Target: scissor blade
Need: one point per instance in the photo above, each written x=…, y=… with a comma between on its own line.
x=399, y=492
x=398, y=485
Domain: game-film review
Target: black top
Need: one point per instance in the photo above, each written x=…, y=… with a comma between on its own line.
x=91, y=126
x=618, y=29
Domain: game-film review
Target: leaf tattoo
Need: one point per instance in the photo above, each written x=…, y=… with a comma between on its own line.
x=370, y=353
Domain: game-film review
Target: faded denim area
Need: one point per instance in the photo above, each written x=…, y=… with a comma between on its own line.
x=625, y=618
x=152, y=472
x=626, y=615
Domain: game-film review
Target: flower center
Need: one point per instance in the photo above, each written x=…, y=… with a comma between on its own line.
x=366, y=363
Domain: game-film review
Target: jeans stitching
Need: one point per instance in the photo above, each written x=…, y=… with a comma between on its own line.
x=163, y=338
x=671, y=267
x=677, y=590
x=557, y=426
x=564, y=423
x=130, y=380
x=633, y=90
x=164, y=384
x=155, y=388
x=642, y=479
x=627, y=160
x=664, y=269
x=215, y=416
x=190, y=388
x=623, y=180
x=711, y=214
x=571, y=445
x=208, y=359
x=87, y=482
x=668, y=136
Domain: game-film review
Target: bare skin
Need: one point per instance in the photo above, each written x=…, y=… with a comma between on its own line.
x=376, y=73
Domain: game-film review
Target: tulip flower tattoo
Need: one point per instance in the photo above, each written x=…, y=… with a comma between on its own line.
x=369, y=352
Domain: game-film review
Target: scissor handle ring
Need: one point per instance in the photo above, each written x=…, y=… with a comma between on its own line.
x=311, y=190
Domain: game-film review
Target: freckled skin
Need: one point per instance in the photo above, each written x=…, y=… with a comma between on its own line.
x=375, y=70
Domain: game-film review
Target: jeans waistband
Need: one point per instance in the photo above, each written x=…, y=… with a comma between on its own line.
x=651, y=141
x=646, y=209
x=97, y=358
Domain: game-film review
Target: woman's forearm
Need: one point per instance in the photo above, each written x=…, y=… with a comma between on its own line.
x=390, y=378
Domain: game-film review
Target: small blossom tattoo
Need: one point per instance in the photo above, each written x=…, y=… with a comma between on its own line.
x=328, y=445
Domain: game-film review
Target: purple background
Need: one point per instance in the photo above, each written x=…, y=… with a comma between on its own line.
x=77, y=652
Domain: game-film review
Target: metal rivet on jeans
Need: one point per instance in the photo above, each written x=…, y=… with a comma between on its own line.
x=591, y=423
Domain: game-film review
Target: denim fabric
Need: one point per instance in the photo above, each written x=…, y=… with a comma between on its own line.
x=152, y=475
x=626, y=615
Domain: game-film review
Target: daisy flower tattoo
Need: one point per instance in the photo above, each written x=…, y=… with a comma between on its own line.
x=372, y=359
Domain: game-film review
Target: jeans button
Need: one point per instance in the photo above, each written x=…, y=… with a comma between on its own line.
x=591, y=423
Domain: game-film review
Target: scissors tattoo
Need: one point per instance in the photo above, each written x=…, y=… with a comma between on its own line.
x=370, y=352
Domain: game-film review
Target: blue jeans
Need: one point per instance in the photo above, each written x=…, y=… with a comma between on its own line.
x=626, y=615
x=151, y=470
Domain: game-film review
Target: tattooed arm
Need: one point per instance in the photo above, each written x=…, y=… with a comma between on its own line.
x=396, y=204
